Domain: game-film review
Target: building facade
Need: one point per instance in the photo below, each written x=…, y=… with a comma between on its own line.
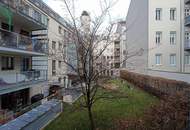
x=161, y=29
x=113, y=57
x=33, y=48
x=20, y=79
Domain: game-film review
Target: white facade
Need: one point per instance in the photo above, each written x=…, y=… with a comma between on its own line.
x=163, y=23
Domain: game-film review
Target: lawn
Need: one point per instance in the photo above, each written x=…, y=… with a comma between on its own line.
x=106, y=112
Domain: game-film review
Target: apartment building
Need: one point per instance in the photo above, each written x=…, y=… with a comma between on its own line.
x=20, y=79
x=34, y=41
x=113, y=58
x=59, y=36
x=161, y=29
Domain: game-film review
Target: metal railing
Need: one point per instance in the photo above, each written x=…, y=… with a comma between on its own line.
x=25, y=9
x=187, y=45
x=18, y=41
x=22, y=78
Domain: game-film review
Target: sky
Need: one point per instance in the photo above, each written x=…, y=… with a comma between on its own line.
x=118, y=11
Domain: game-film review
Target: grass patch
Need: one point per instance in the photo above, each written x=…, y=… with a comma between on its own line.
x=105, y=111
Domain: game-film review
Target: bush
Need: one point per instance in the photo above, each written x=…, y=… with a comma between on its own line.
x=169, y=114
x=157, y=86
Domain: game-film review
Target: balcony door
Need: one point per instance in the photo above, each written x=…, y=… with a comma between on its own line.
x=26, y=64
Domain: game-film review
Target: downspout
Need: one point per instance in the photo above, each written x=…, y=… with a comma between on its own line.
x=182, y=30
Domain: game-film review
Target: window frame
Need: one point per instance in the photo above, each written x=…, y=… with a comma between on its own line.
x=173, y=61
x=173, y=14
x=158, y=14
x=156, y=59
x=173, y=37
x=8, y=63
x=158, y=40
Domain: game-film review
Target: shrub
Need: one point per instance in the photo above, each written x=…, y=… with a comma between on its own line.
x=169, y=114
x=157, y=86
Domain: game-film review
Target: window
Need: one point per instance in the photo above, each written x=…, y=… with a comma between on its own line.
x=173, y=14
x=172, y=38
x=60, y=46
x=187, y=35
x=187, y=12
x=158, y=37
x=25, y=64
x=173, y=59
x=59, y=29
x=158, y=13
x=187, y=59
x=59, y=64
x=53, y=67
x=111, y=72
x=7, y=63
x=158, y=59
x=53, y=45
x=108, y=57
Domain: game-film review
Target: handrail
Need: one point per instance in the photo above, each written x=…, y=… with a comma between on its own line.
x=14, y=40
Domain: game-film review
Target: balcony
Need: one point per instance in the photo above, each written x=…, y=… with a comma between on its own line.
x=15, y=43
x=14, y=81
x=187, y=45
x=29, y=15
x=187, y=21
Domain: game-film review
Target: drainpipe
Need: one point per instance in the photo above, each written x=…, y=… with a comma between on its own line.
x=182, y=30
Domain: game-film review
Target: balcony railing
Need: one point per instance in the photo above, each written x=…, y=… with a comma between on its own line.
x=26, y=10
x=10, y=80
x=17, y=41
x=187, y=45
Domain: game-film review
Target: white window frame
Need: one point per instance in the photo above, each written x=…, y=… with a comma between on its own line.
x=158, y=14
x=173, y=14
x=158, y=59
x=187, y=12
x=187, y=59
x=173, y=37
x=158, y=38
x=173, y=59
x=187, y=35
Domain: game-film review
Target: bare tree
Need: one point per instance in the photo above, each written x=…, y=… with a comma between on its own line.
x=86, y=37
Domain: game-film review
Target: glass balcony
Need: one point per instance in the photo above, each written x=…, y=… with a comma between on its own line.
x=16, y=41
x=14, y=81
x=187, y=45
x=29, y=12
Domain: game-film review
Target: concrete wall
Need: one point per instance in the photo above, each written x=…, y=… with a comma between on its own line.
x=170, y=75
x=137, y=35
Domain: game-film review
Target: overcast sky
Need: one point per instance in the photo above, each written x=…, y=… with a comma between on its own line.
x=119, y=11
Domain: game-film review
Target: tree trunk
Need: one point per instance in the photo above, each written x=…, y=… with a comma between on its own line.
x=92, y=126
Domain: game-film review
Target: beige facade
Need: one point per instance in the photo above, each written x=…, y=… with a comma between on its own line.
x=165, y=26
x=161, y=28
